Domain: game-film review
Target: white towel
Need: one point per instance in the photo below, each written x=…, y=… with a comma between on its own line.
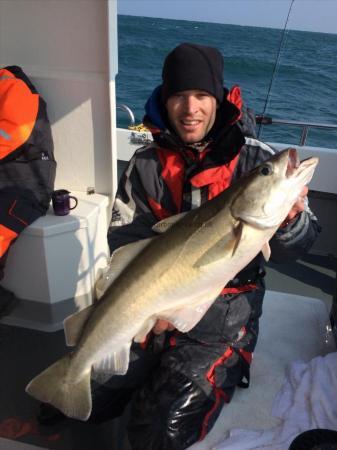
x=307, y=400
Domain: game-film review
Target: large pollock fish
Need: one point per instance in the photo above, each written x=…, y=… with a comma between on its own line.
x=174, y=276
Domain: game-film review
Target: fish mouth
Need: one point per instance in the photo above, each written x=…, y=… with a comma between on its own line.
x=293, y=162
x=303, y=170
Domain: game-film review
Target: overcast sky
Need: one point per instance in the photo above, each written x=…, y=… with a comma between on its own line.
x=310, y=15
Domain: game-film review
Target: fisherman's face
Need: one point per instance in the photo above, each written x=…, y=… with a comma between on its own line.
x=191, y=114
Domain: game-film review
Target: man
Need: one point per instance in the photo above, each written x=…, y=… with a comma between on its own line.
x=203, y=141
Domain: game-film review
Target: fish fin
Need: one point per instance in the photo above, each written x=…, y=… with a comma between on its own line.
x=163, y=225
x=266, y=251
x=186, y=318
x=52, y=386
x=73, y=325
x=116, y=363
x=142, y=333
x=226, y=246
x=120, y=258
x=238, y=232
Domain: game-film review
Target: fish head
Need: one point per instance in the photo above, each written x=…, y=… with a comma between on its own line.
x=270, y=190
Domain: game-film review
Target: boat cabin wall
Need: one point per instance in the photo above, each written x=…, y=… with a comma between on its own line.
x=63, y=46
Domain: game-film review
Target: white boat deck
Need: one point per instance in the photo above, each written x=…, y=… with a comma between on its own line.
x=292, y=328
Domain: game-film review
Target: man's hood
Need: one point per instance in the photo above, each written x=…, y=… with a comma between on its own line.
x=155, y=115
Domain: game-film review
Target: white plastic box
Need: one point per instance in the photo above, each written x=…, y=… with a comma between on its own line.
x=53, y=266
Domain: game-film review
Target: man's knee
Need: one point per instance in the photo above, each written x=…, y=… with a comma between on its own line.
x=171, y=412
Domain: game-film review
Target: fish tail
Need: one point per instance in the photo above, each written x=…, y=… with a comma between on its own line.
x=54, y=386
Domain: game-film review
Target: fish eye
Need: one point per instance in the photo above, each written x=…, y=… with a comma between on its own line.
x=266, y=169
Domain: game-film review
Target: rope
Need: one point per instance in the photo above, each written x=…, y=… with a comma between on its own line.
x=281, y=44
x=141, y=128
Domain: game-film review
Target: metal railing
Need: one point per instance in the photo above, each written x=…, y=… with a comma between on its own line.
x=306, y=126
x=129, y=112
x=260, y=120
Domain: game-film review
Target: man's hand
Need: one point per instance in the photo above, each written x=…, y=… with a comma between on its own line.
x=297, y=207
x=161, y=326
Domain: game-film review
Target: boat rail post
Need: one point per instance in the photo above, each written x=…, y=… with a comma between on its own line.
x=304, y=135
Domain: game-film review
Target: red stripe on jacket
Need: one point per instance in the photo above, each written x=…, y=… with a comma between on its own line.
x=158, y=210
x=220, y=395
x=216, y=178
x=173, y=173
x=234, y=96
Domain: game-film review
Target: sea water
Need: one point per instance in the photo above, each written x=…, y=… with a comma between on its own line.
x=304, y=82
